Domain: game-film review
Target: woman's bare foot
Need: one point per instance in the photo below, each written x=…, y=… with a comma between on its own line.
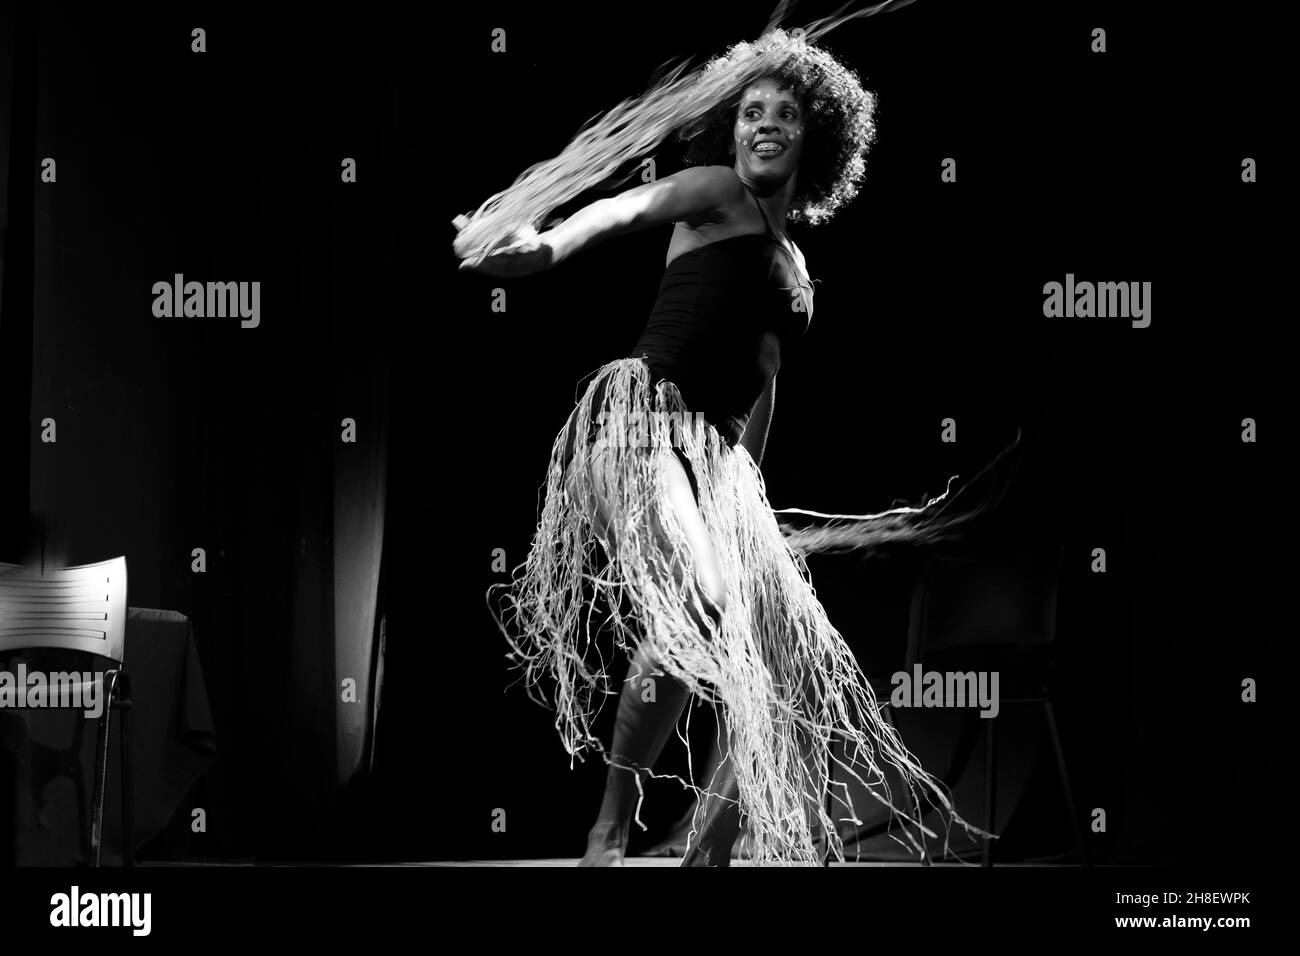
x=606, y=845
x=707, y=856
x=740, y=850
x=675, y=843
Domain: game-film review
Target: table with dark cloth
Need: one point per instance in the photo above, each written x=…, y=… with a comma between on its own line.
x=46, y=791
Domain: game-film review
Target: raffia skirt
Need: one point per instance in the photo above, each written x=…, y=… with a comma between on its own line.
x=784, y=682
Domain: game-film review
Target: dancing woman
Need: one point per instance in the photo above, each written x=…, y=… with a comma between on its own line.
x=655, y=511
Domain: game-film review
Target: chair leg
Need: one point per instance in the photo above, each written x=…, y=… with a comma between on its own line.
x=77, y=775
x=128, y=793
x=886, y=711
x=101, y=779
x=830, y=808
x=1075, y=822
x=990, y=788
x=925, y=850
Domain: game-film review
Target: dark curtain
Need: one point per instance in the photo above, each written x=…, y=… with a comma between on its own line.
x=188, y=433
x=17, y=123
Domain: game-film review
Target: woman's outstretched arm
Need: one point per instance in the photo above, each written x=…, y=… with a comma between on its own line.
x=697, y=194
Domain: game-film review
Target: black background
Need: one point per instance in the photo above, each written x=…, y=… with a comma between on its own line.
x=1116, y=166
x=1123, y=165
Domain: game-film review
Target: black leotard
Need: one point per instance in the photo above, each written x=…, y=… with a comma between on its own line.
x=720, y=324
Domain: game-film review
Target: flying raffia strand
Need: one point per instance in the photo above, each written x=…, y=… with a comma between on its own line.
x=942, y=519
x=633, y=128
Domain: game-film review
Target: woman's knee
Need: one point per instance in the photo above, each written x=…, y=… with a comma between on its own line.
x=715, y=593
x=702, y=570
x=587, y=485
x=712, y=603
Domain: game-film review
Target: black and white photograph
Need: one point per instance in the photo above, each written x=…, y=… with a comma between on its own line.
x=446, y=445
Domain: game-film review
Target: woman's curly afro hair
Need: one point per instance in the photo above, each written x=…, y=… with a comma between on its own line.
x=839, y=124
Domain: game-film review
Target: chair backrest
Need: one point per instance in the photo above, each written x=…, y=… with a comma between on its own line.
x=80, y=609
x=961, y=604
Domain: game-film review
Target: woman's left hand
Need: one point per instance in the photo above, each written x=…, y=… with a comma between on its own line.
x=523, y=253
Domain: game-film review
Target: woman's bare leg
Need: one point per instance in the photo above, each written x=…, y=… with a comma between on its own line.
x=645, y=720
x=720, y=826
x=675, y=843
x=647, y=713
x=717, y=834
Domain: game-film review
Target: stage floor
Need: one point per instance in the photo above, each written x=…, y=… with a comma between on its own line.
x=636, y=861
x=573, y=862
x=668, y=861
x=556, y=862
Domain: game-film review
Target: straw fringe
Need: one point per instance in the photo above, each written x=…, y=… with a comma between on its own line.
x=786, y=681
x=940, y=520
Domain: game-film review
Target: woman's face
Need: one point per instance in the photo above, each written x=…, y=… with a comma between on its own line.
x=768, y=114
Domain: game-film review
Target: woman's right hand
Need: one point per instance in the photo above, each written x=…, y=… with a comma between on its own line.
x=523, y=253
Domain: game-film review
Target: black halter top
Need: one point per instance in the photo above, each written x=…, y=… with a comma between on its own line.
x=725, y=315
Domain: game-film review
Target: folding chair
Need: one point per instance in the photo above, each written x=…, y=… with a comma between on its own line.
x=79, y=609
x=995, y=615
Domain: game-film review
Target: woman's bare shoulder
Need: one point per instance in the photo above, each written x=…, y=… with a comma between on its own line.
x=726, y=191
